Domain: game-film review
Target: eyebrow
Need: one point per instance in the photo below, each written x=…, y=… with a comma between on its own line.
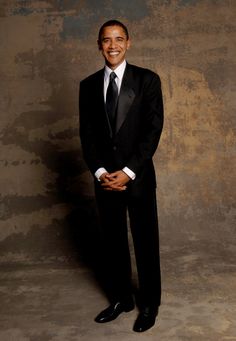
x=119, y=37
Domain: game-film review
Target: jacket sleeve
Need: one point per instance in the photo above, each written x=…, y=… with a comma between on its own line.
x=87, y=134
x=152, y=125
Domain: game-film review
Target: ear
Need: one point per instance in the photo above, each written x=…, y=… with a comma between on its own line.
x=128, y=44
x=99, y=45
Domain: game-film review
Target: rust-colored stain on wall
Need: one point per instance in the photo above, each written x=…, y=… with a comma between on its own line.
x=47, y=47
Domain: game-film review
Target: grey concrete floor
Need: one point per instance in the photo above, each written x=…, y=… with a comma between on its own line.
x=59, y=303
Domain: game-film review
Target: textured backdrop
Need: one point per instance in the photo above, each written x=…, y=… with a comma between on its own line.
x=46, y=195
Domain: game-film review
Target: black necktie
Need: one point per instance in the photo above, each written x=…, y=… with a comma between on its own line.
x=111, y=99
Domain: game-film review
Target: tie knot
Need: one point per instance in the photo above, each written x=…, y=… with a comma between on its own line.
x=112, y=76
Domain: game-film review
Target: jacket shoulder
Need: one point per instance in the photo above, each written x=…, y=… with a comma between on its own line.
x=143, y=71
x=93, y=77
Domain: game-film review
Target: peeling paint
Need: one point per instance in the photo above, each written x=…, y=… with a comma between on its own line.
x=79, y=26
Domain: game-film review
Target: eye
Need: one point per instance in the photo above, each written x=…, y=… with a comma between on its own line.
x=120, y=39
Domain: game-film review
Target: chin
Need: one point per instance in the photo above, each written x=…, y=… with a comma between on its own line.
x=111, y=65
x=114, y=65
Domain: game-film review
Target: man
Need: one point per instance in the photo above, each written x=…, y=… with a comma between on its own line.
x=121, y=119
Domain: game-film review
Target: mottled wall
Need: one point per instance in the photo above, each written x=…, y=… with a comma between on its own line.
x=47, y=47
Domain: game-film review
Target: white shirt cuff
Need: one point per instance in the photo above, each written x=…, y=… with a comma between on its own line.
x=99, y=172
x=129, y=172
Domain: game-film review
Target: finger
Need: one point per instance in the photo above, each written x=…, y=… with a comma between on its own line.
x=113, y=175
x=109, y=183
x=114, y=187
x=120, y=189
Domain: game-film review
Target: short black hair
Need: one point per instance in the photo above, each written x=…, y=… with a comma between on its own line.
x=113, y=22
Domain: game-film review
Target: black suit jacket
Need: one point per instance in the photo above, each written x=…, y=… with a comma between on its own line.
x=138, y=125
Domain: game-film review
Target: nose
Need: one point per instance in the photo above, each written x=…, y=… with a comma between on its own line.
x=112, y=44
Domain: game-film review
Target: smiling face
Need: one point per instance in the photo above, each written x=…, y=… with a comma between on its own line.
x=113, y=44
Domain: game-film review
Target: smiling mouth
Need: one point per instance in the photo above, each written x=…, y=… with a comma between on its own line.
x=113, y=53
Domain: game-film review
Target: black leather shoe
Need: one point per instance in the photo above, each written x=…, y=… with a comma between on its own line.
x=145, y=320
x=113, y=311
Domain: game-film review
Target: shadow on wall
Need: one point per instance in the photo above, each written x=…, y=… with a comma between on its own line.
x=81, y=224
x=48, y=211
x=60, y=225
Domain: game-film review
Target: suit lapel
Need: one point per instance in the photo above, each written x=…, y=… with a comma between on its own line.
x=126, y=98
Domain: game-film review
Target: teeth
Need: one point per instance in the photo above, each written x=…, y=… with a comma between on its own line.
x=113, y=53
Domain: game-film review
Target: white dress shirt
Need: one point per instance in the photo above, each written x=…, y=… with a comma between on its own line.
x=119, y=71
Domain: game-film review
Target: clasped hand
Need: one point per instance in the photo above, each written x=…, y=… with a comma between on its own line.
x=115, y=181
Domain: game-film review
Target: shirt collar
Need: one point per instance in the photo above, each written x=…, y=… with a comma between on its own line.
x=119, y=71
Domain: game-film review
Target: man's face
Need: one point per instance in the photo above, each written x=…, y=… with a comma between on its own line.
x=113, y=45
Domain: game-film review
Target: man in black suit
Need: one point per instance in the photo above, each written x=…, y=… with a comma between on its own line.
x=121, y=119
